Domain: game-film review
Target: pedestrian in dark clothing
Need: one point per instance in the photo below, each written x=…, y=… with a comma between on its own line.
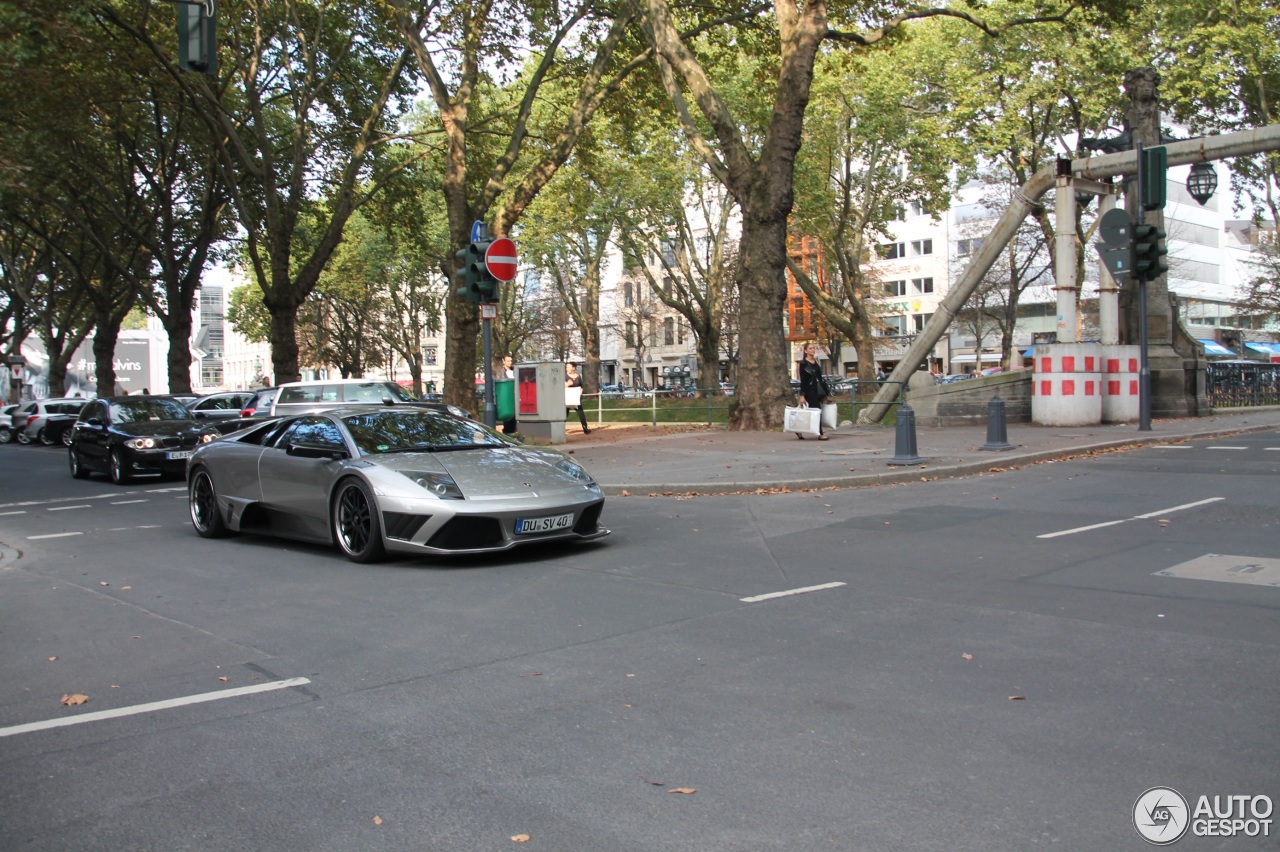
x=812, y=386
x=573, y=380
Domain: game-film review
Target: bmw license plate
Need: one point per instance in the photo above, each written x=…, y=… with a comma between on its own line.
x=178, y=454
x=547, y=524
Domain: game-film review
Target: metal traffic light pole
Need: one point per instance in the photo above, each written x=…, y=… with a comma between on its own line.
x=1144, y=368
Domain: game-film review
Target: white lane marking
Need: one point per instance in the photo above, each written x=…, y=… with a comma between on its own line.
x=65, y=508
x=1271, y=448
x=126, y=502
x=772, y=595
x=3, y=514
x=167, y=704
x=181, y=488
x=1154, y=514
x=1174, y=447
x=52, y=535
x=1226, y=448
x=149, y=527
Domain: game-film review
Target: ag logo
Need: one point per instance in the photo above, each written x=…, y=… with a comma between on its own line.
x=1161, y=816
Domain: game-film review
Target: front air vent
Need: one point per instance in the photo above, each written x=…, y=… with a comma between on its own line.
x=590, y=520
x=403, y=525
x=467, y=533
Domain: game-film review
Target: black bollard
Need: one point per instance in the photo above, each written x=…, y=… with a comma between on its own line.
x=904, y=444
x=997, y=433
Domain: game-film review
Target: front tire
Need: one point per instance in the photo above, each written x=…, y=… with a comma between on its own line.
x=355, y=522
x=202, y=501
x=6, y=435
x=67, y=435
x=119, y=468
x=22, y=437
x=43, y=436
x=78, y=470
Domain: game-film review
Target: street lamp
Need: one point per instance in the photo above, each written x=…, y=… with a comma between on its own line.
x=1202, y=182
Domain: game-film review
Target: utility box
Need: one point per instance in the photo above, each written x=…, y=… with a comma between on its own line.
x=540, y=404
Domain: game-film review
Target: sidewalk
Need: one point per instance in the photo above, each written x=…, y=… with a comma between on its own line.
x=641, y=461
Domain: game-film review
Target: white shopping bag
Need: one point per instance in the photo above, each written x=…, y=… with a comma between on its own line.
x=572, y=397
x=801, y=420
x=830, y=418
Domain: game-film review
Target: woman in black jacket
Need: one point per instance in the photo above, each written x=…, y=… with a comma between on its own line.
x=812, y=387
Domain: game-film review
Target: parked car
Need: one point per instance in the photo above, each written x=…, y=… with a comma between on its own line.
x=6, y=422
x=53, y=417
x=126, y=435
x=394, y=478
x=219, y=406
x=36, y=408
x=305, y=397
x=259, y=405
x=612, y=391
x=991, y=371
x=727, y=389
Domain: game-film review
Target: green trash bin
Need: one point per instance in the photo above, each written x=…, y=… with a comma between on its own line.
x=504, y=398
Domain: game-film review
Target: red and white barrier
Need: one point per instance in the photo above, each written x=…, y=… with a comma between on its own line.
x=1120, y=383
x=1066, y=387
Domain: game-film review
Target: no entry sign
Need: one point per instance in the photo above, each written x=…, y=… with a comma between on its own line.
x=500, y=259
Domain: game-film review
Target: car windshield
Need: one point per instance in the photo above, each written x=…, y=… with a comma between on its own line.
x=402, y=430
x=143, y=409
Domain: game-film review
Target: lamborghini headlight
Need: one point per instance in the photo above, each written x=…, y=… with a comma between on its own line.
x=439, y=484
x=575, y=471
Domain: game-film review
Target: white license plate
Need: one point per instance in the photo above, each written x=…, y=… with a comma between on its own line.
x=547, y=524
x=178, y=454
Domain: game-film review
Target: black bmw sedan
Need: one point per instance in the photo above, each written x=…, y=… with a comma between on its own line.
x=127, y=435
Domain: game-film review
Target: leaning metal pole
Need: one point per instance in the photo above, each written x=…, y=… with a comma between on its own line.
x=1203, y=150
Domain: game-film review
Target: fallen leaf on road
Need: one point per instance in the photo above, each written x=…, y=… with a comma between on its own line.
x=223, y=678
x=519, y=838
x=625, y=493
x=377, y=820
x=1017, y=698
x=125, y=588
x=104, y=584
x=532, y=674
x=51, y=659
x=137, y=637
x=654, y=783
x=630, y=675
x=74, y=699
x=685, y=790
x=967, y=656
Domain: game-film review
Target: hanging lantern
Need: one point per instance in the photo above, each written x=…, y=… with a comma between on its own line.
x=1202, y=182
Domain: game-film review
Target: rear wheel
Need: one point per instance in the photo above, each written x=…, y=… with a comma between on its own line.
x=67, y=434
x=78, y=470
x=22, y=437
x=203, y=502
x=6, y=434
x=355, y=522
x=43, y=436
x=119, y=468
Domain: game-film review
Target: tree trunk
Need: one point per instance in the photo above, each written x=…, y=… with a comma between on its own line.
x=764, y=387
x=284, y=343
x=104, y=352
x=178, y=326
x=462, y=329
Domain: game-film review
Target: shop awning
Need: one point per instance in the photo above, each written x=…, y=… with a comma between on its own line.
x=1212, y=347
x=987, y=358
x=1266, y=348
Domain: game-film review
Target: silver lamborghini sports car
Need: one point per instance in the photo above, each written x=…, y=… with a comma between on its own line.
x=374, y=479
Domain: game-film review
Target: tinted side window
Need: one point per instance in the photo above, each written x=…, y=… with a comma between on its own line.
x=317, y=431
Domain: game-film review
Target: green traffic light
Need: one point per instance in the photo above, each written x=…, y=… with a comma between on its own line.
x=1149, y=252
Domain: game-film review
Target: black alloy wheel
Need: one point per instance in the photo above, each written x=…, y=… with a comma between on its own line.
x=203, y=502
x=67, y=435
x=119, y=468
x=78, y=470
x=355, y=522
x=43, y=436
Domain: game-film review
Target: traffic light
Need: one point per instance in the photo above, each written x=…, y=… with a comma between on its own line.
x=197, y=36
x=478, y=286
x=1149, y=252
x=1116, y=250
x=1155, y=163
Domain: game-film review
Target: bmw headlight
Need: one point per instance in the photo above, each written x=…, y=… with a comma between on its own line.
x=141, y=443
x=575, y=471
x=439, y=484
x=206, y=438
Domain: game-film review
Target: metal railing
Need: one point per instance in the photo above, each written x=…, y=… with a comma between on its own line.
x=1242, y=385
x=704, y=405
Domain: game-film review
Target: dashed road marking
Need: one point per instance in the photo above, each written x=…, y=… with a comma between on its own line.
x=152, y=707
x=52, y=535
x=1144, y=517
x=772, y=595
x=65, y=508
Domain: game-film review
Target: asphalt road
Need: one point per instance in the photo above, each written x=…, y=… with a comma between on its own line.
x=997, y=662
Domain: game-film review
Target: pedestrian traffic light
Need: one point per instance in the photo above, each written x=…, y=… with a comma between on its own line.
x=197, y=36
x=1149, y=252
x=1155, y=163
